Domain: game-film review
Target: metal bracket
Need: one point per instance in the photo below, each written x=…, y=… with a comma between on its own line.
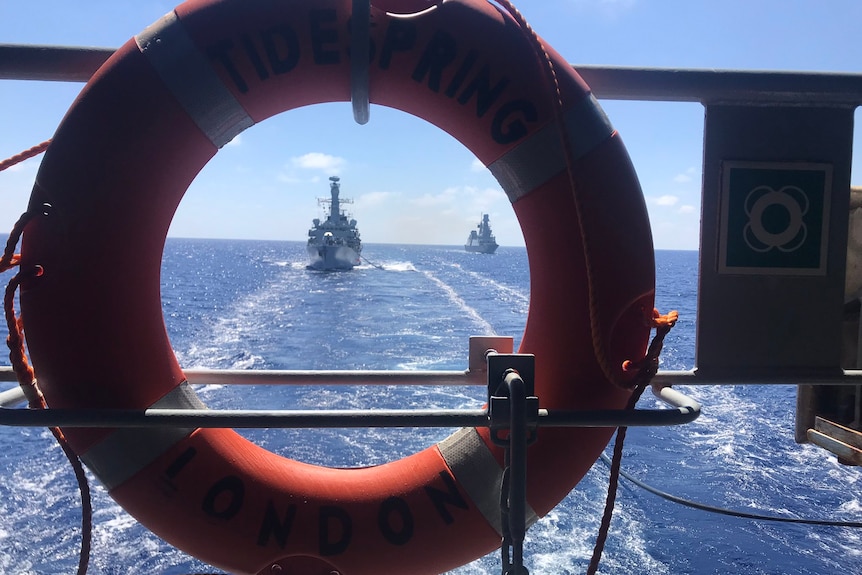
x=513, y=407
x=360, y=34
x=502, y=368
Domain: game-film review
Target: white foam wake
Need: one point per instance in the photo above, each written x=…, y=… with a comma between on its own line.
x=485, y=327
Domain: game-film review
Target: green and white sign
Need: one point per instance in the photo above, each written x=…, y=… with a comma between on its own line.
x=774, y=218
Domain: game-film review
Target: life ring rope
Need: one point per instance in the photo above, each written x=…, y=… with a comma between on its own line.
x=646, y=369
x=28, y=383
x=24, y=155
x=15, y=340
x=21, y=366
x=613, y=483
x=648, y=365
x=570, y=152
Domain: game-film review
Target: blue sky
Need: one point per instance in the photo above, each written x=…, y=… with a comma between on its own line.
x=411, y=182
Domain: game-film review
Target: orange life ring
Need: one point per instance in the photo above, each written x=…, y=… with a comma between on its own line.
x=120, y=163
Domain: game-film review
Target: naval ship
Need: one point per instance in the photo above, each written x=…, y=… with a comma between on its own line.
x=334, y=243
x=482, y=241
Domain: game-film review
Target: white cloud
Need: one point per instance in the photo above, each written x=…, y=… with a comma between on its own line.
x=318, y=161
x=460, y=197
x=666, y=200
x=685, y=176
x=443, y=216
x=687, y=209
x=289, y=178
x=376, y=198
x=446, y=197
x=477, y=165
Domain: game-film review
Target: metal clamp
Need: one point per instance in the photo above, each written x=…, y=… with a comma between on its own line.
x=513, y=407
x=503, y=370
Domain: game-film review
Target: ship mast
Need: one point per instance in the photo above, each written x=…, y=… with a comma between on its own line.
x=335, y=207
x=484, y=226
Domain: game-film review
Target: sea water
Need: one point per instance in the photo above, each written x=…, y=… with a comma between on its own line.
x=254, y=305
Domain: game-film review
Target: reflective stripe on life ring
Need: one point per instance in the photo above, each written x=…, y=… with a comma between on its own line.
x=123, y=157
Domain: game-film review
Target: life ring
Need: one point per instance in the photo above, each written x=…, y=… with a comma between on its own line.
x=121, y=161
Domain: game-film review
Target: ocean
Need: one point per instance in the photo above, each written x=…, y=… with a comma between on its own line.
x=253, y=305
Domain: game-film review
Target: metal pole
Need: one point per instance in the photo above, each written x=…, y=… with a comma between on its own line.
x=517, y=472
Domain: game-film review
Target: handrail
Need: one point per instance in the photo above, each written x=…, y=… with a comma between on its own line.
x=50, y=63
x=78, y=64
x=330, y=419
x=717, y=86
x=467, y=377
x=684, y=410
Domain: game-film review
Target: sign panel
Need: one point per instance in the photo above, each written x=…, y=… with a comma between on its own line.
x=774, y=218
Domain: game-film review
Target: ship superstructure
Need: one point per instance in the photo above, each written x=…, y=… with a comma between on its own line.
x=482, y=240
x=334, y=243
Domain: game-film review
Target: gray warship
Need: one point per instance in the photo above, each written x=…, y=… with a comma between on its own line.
x=334, y=243
x=483, y=240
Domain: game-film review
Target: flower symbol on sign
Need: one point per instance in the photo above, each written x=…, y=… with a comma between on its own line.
x=792, y=204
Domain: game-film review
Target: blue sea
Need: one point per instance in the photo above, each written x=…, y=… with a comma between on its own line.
x=253, y=305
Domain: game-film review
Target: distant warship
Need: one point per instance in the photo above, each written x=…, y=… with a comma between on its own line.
x=334, y=243
x=482, y=241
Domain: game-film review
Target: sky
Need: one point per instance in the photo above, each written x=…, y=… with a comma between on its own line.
x=409, y=181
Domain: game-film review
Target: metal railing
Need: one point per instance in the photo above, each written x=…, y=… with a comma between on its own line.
x=78, y=64
x=664, y=378
x=684, y=409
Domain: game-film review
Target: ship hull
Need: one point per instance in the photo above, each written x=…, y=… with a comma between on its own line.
x=331, y=257
x=486, y=249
